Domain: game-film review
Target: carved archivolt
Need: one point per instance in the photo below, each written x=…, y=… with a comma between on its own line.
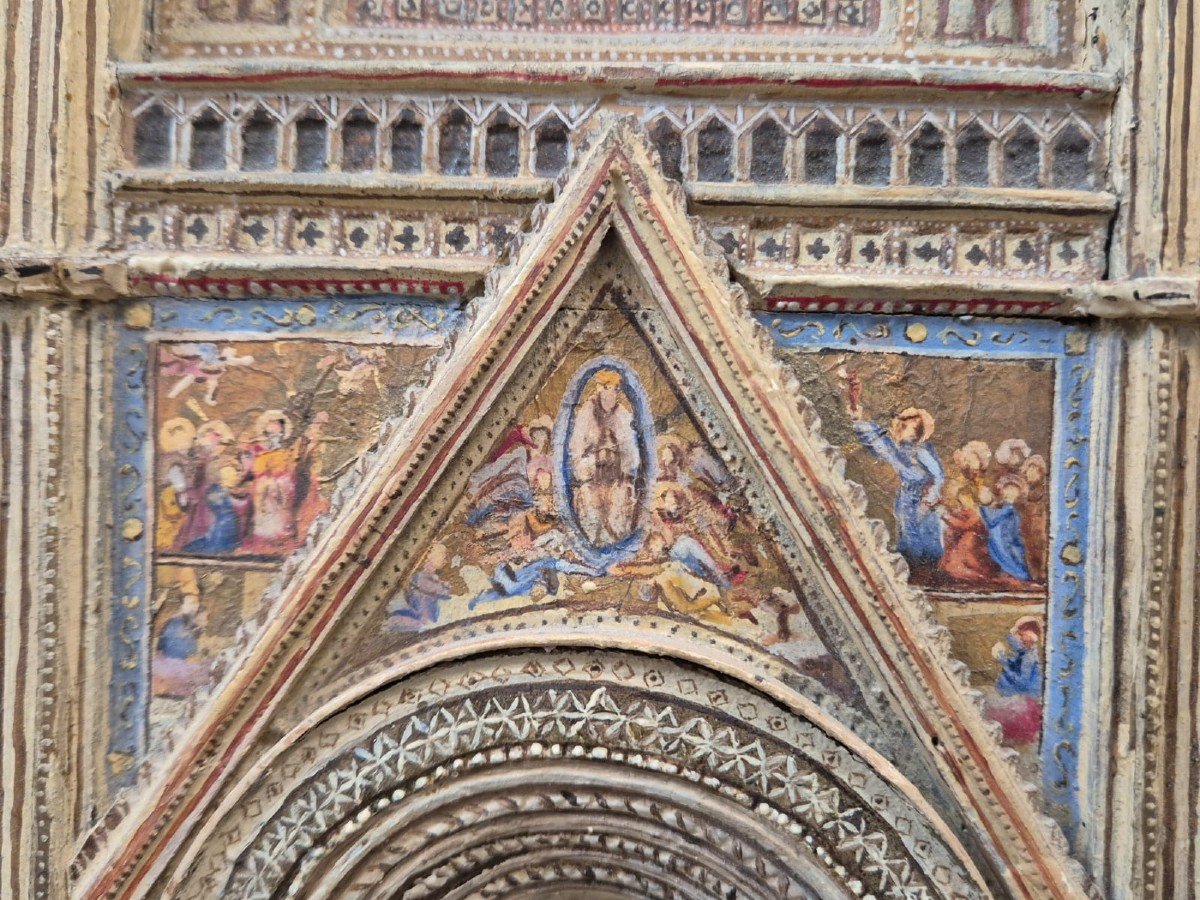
x=492, y=776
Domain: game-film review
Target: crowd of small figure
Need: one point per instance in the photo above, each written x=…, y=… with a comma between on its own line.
x=983, y=524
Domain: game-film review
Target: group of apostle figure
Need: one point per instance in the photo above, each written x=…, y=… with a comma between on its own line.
x=984, y=525
x=541, y=523
x=219, y=495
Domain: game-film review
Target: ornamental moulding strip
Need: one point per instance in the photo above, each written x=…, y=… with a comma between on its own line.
x=796, y=198
x=105, y=278
x=335, y=185
x=251, y=286
x=764, y=79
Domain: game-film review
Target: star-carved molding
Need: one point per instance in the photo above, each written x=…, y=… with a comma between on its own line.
x=616, y=188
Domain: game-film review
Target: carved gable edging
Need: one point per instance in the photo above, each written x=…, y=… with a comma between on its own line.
x=616, y=187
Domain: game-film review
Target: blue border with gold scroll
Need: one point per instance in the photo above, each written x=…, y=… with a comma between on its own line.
x=141, y=324
x=1073, y=353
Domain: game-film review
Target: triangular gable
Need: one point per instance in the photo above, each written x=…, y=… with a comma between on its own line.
x=574, y=503
x=617, y=189
x=604, y=492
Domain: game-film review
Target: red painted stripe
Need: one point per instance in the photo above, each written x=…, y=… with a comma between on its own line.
x=510, y=76
x=245, y=283
x=839, y=304
x=910, y=84
x=350, y=75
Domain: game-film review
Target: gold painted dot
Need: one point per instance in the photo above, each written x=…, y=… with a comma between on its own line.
x=1071, y=554
x=132, y=529
x=139, y=315
x=916, y=332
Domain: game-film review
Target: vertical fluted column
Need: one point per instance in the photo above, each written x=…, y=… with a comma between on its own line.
x=54, y=115
x=34, y=359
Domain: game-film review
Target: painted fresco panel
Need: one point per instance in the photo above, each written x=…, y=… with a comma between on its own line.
x=963, y=487
x=971, y=442
x=239, y=421
x=252, y=435
x=605, y=494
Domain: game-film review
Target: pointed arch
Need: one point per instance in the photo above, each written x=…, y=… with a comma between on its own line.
x=455, y=142
x=668, y=141
x=874, y=154
x=502, y=146
x=407, y=143
x=714, y=150
x=974, y=149
x=822, y=143
x=359, y=133
x=153, y=137
x=551, y=146
x=1021, y=157
x=310, y=141
x=208, y=149
x=260, y=141
x=927, y=155
x=1073, y=158
x=769, y=151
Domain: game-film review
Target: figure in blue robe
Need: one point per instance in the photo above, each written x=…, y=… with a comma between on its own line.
x=1005, y=544
x=1020, y=671
x=422, y=603
x=508, y=581
x=180, y=637
x=918, y=525
x=223, y=534
x=690, y=553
